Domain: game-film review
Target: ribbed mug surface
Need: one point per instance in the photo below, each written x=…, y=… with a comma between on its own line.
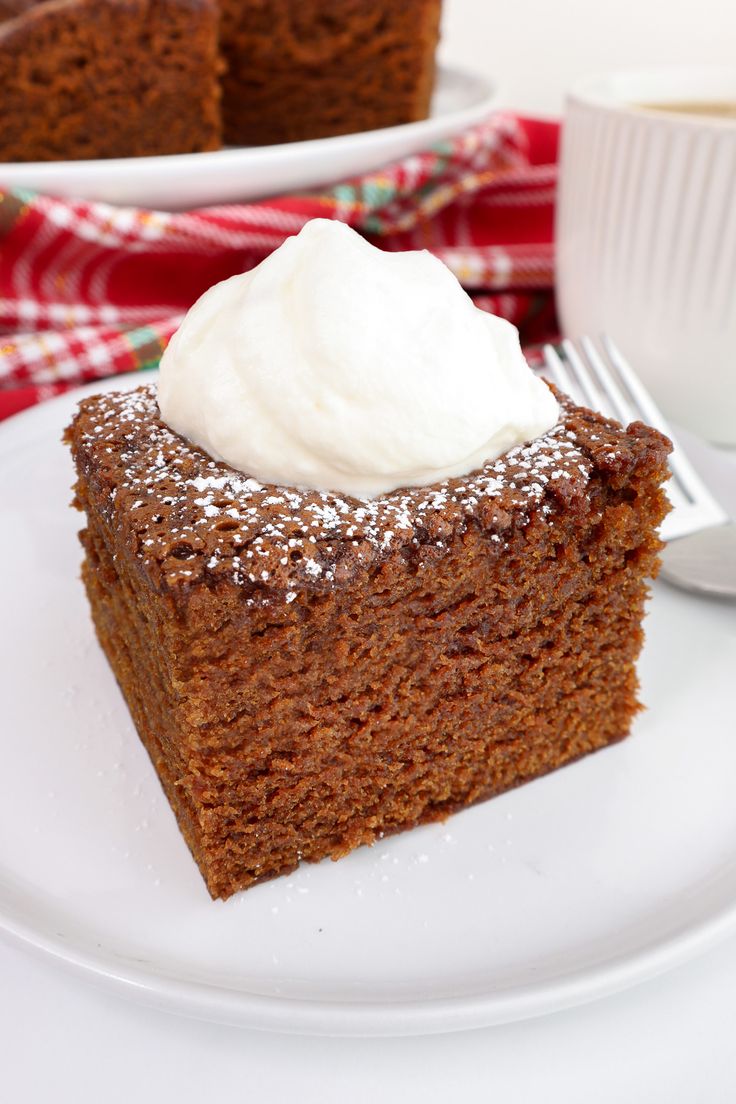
x=646, y=237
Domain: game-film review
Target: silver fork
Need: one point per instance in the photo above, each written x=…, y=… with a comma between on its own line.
x=702, y=555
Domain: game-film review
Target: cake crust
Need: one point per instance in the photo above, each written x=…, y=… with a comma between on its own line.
x=310, y=672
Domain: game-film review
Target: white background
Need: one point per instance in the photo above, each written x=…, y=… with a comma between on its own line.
x=669, y=1041
x=535, y=48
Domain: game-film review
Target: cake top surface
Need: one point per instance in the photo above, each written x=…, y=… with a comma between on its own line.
x=191, y=518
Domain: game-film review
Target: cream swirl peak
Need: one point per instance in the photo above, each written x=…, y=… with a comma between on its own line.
x=336, y=366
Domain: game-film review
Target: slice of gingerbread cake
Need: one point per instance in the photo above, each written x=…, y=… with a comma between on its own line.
x=313, y=669
x=310, y=672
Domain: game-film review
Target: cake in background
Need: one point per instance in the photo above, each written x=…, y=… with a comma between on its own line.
x=299, y=69
x=129, y=78
x=119, y=78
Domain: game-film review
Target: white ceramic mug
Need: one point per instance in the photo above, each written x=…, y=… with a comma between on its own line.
x=646, y=236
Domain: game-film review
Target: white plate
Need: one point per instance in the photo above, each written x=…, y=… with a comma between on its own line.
x=569, y=888
x=172, y=183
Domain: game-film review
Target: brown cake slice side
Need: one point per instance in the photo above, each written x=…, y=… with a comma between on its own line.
x=310, y=673
x=299, y=69
x=123, y=78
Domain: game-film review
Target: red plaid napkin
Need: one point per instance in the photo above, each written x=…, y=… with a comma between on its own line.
x=90, y=290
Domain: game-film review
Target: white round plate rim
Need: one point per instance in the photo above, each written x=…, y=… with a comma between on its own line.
x=714, y=919
x=396, y=1018
x=240, y=174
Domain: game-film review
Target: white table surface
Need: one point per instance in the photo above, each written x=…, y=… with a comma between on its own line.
x=668, y=1040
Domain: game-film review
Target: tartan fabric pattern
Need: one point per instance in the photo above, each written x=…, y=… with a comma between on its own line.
x=89, y=290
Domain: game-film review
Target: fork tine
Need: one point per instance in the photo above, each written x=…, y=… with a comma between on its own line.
x=556, y=370
x=603, y=394
x=649, y=412
x=593, y=399
x=627, y=411
x=596, y=374
x=642, y=400
x=606, y=381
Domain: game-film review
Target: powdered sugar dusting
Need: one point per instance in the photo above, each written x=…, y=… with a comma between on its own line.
x=191, y=516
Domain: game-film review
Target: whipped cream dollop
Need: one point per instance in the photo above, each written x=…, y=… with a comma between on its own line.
x=336, y=366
